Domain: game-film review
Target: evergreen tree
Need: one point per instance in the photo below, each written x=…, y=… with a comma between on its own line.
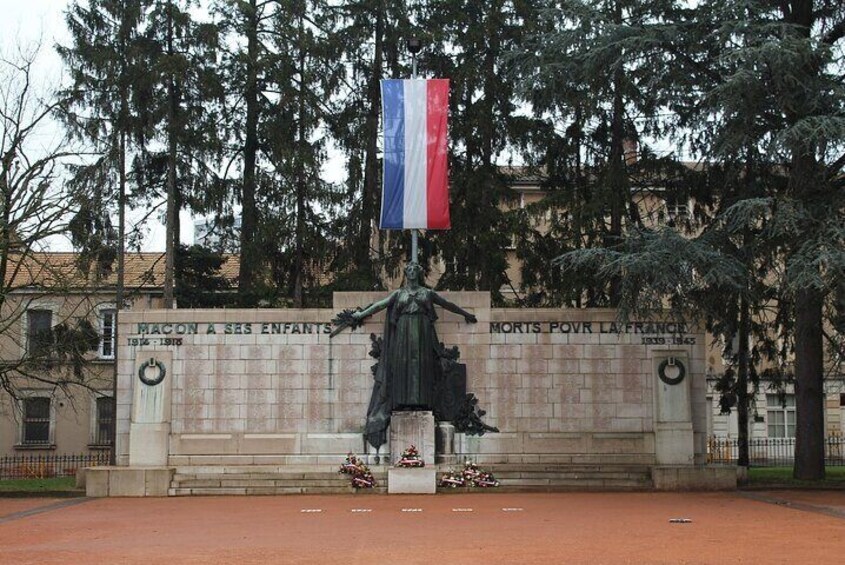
x=200, y=283
x=371, y=34
x=469, y=43
x=759, y=93
x=789, y=84
x=280, y=72
x=302, y=78
x=108, y=93
x=246, y=29
x=591, y=72
x=181, y=55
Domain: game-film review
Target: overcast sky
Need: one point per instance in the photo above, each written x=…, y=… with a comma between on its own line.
x=26, y=22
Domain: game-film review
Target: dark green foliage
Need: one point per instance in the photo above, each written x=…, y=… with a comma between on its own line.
x=182, y=112
x=106, y=101
x=754, y=89
x=468, y=42
x=371, y=35
x=67, y=344
x=592, y=73
x=199, y=283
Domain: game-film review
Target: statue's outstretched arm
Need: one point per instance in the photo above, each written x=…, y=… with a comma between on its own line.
x=446, y=305
x=350, y=319
x=372, y=308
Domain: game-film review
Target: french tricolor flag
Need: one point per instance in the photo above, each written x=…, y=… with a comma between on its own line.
x=416, y=176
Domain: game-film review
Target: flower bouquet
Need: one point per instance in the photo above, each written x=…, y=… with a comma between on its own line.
x=411, y=458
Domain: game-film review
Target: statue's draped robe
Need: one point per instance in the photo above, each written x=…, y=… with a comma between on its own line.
x=410, y=361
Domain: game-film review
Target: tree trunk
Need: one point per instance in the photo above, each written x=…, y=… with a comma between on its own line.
x=5, y=230
x=122, y=127
x=742, y=397
x=616, y=172
x=301, y=181
x=121, y=277
x=249, y=212
x=171, y=237
x=369, y=199
x=809, y=386
x=484, y=279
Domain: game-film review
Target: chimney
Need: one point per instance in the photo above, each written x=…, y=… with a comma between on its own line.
x=630, y=149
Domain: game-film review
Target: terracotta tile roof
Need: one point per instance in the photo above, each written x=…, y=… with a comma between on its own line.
x=62, y=270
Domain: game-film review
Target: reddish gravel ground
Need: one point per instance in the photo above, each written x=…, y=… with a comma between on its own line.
x=772, y=527
x=15, y=505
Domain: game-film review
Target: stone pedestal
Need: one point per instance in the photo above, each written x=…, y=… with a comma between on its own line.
x=689, y=477
x=412, y=428
x=127, y=481
x=673, y=430
x=149, y=444
x=445, y=443
x=149, y=429
x=411, y=481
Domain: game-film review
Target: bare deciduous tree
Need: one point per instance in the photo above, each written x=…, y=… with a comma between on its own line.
x=36, y=206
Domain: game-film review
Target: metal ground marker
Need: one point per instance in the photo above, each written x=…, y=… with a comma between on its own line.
x=412, y=510
x=511, y=509
x=311, y=510
x=462, y=510
x=362, y=510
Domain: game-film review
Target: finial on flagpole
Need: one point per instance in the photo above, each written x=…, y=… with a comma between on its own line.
x=414, y=45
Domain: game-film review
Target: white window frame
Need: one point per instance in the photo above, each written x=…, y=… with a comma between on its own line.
x=773, y=405
x=51, y=432
x=678, y=210
x=101, y=330
x=94, y=419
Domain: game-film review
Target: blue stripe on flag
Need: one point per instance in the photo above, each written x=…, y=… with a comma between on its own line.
x=393, y=194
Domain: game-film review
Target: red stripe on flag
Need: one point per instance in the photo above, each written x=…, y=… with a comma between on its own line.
x=437, y=169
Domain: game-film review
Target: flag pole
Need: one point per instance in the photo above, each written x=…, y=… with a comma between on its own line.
x=414, y=46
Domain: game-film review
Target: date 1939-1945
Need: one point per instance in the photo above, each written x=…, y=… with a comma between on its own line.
x=138, y=341
x=674, y=340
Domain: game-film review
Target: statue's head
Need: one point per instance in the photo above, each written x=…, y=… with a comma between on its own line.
x=413, y=272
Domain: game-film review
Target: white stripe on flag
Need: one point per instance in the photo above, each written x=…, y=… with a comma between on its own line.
x=416, y=110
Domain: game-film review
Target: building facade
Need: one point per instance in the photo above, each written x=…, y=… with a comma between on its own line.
x=57, y=350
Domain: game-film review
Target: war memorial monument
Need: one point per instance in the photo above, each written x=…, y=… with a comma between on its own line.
x=211, y=392
x=266, y=401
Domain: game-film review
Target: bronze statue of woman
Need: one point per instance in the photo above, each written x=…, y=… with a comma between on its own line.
x=409, y=364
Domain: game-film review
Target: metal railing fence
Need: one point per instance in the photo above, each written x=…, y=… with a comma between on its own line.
x=28, y=466
x=770, y=452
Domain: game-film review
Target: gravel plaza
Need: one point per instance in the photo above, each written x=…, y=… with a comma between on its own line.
x=725, y=527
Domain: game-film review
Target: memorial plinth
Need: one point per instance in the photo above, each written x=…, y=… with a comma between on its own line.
x=412, y=428
x=402, y=480
x=406, y=429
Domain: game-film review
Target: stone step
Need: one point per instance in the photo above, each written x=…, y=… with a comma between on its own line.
x=509, y=489
x=226, y=469
x=265, y=490
x=545, y=467
x=606, y=475
x=258, y=482
x=324, y=479
x=249, y=475
x=327, y=460
x=555, y=485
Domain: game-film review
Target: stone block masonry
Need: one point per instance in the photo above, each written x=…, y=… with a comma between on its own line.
x=563, y=386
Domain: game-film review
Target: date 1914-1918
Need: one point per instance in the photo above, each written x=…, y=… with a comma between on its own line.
x=139, y=341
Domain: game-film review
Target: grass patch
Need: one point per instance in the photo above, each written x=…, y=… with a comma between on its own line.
x=835, y=477
x=38, y=485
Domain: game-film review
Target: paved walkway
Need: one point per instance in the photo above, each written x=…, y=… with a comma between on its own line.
x=760, y=527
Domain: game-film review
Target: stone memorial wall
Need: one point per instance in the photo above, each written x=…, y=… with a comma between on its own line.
x=269, y=386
